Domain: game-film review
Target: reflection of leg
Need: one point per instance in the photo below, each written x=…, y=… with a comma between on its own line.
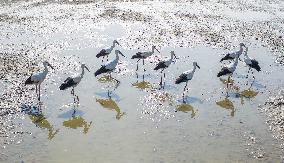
x=108, y=94
x=228, y=82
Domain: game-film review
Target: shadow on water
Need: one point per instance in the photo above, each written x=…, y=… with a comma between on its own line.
x=188, y=99
x=36, y=116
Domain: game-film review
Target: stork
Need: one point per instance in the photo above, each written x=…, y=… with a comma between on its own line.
x=165, y=64
x=106, y=52
x=37, y=78
x=252, y=63
x=229, y=69
x=74, y=81
x=186, y=76
x=144, y=55
x=109, y=66
x=233, y=55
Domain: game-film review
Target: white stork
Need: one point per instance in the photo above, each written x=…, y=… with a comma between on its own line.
x=37, y=78
x=144, y=55
x=252, y=63
x=106, y=52
x=109, y=66
x=229, y=69
x=186, y=76
x=74, y=81
x=165, y=64
x=233, y=55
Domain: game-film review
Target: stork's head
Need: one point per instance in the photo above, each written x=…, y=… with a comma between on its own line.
x=84, y=66
x=118, y=52
x=45, y=63
x=242, y=44
x=115, y=42
x=154, y=48
x=195, y=64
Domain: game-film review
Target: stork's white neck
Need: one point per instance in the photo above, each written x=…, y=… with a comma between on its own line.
x=241, y=49
x=83, y=72
x=172, y=56
x=153, y=49
x=45, y=69
x=194, y=68
x=117, y=56
x=236, y=61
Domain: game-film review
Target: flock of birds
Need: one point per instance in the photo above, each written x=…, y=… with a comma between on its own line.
x=71, y=82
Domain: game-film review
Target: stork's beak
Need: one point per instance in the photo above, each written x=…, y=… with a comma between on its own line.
x=117, y=43
x=157, y=50
x=121, y=54
x=51, y=66
x=197, y=66
x=87, y=68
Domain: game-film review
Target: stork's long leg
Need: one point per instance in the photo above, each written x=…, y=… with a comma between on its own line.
x=103, y=59
x=78, y=100
x=161, y=82
x=183, y=94
x=107, y=57
x=72, y=91
x=36, y=91
x=108, y=94
x=164, y=80
x=137, y=64
x=144, y=66
x=39, y=92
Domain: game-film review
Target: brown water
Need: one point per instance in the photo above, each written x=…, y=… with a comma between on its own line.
x=141, y=122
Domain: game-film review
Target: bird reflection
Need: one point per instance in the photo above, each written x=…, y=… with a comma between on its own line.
x=41, y=122
x=230, y=85
x=111, y=105
x=143, y=84
x=227, y=104
x=248, y=93
x=109, y=79
x=77, y=122
x=184, y=107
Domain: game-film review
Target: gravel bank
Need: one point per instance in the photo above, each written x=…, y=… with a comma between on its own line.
x=274, y=109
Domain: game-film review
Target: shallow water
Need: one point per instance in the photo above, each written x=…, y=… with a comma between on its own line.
x=148, y=124
x=142, y=122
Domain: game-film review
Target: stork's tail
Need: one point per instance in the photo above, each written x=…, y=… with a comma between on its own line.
x=137, y=55
x=178, y=81
x=101, y=53
x=101, y=71
x=255, y=65
x=29, y=81
x=63, y=86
